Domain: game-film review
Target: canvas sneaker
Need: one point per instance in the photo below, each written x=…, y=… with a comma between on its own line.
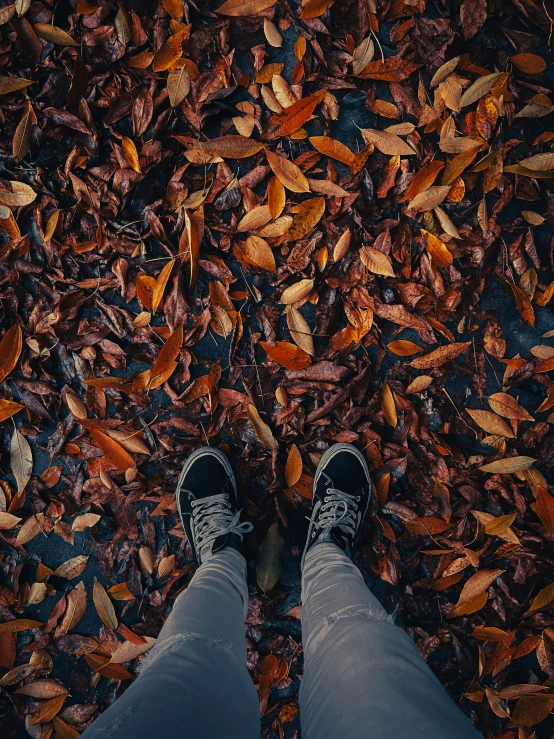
x=342, y=490
x=207, y=502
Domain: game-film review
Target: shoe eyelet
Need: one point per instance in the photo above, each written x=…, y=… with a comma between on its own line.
x=358, y=498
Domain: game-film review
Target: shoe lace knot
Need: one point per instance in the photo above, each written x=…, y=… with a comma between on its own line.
x=338, y=510
x=213, y=517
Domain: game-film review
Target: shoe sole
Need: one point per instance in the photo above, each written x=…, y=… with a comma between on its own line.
x=327, y=455
x=202, y=452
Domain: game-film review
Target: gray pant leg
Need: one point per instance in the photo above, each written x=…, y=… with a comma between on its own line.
x=195, y=683
x=363, y=676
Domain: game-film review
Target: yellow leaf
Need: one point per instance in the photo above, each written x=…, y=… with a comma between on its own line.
x=131, y=154
x=293, y=467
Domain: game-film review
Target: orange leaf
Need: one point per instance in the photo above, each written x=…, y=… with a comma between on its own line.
x=393, y=69
x=131, y=154
x=168, y=353
x=478, y=584
x=506, y=406
x=331, y=148
x=315, y=8
x=174, y=8
x=542, y=598
x=529, y=63
x=257, y=252
x=10, y=349
x=47, y=710
x=403, y=348
x=523, y=304
x=308, y=215
x=388, y=405
x=232, y=147
x=293, y=467
x=159, y=287
x=423, y=179
x=244, y=7
x=440, y=356
x=491, y=423
x=532, y=709
x=287, y=173
x=9, y=408
x=288, y=355
x=171, y=50
x=102, y=665
x=544, y=508
x=114, y=452
x=276, y=197
x=293, y=117
x=377, y=262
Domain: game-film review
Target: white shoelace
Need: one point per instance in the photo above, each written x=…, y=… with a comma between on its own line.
x=213, y=517
x=338, y=509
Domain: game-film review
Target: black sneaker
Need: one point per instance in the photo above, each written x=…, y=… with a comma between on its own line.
x=208, y=505
x=342, y=489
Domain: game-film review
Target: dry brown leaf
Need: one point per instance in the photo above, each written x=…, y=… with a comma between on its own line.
x=342, y=245
x=387, y=143
x=307, y=215
x=104, y=606
x=491, y=423
x=332, y=148
x=508, y=465
x=294, y=117
x=244, y=7
x=297, y=292
x=287, y=173
x=268, y=558
x=375, y=261
x=418, y=384
x=54, y=34
x=440, y=356
x=73, y=567
x=506, y=406
x=300, y=330
x=263, y=432
x=429, y=198
x=257, y=252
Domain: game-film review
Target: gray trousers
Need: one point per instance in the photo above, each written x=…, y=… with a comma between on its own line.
x=363, y=676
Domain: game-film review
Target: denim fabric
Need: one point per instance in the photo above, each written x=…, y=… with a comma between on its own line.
x=363, y=677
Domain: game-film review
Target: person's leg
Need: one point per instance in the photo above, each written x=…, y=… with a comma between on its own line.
x=195, y=682
x=363, y=676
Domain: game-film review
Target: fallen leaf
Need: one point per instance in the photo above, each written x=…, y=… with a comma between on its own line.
x=263, y=432
x=104, y=606
x=293, y=467
x=268, y=559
